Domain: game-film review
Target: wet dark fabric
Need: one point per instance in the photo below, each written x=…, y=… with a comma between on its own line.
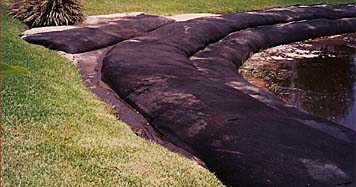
x=198, y=101
x=84, y=39
x=89, y=38
x=182, y=77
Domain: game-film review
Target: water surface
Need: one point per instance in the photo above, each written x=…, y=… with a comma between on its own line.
x=317, y=76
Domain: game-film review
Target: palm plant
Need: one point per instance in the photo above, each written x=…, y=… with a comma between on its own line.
x=37, y=13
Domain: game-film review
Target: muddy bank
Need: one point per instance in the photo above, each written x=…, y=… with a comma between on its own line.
x=317, y=76
x=182, y=77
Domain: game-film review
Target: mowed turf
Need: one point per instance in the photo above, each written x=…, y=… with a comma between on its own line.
x=170, y=7
x=57, y=133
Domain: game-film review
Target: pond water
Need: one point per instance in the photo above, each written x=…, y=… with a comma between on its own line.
x=317, y=76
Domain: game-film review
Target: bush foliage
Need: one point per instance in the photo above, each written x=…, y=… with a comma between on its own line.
x=38, y=13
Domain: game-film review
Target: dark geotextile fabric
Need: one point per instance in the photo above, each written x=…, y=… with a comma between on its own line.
x=182, y=77
x=89, y=38
x=84, y=39
x=198, y=101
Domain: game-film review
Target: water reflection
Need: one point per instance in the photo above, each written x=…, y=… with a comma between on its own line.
x=323, y=84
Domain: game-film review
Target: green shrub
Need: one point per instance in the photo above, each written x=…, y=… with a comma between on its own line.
x=37, y=13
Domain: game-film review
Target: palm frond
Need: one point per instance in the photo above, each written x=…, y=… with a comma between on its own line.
x=38, y=13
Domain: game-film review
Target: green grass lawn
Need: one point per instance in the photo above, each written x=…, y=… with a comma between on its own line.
x=169, y=7
x=57, y=133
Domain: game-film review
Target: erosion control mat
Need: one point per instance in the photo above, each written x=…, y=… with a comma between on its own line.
x=182, y=77
x=89, y=38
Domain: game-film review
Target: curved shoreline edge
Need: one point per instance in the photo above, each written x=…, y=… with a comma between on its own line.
x=190, y=92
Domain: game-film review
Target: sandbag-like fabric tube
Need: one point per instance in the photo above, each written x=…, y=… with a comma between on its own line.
x=89, y=38
x=244, y=140
x=198, y=33
x=197, y=100
x=238, y=46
